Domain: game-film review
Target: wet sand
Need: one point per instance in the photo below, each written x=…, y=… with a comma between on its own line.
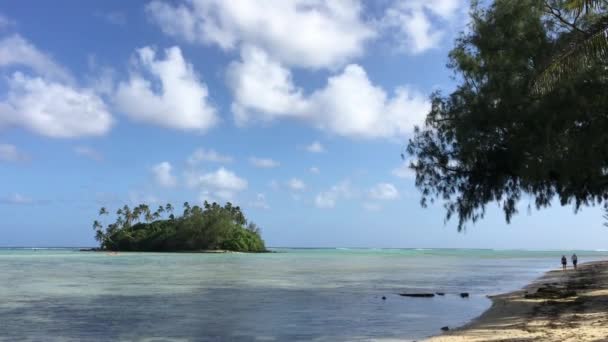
x=559, y=306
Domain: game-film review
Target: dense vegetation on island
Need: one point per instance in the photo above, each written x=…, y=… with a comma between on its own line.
x=211, y=227
x=529, y=115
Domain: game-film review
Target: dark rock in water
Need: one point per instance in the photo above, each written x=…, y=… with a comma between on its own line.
x=440, y=293
x=464, y=295
x=383, y=298
x=446, y=328
x=423, y=295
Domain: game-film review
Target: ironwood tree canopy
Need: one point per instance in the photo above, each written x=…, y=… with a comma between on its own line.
x=495, y=139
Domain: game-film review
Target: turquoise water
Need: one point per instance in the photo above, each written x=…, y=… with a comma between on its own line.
x=291, y=295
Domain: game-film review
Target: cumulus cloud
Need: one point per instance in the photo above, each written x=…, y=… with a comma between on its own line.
x=208, y=155
x=260, y=202
x=349, y=105
x=384, y=191
x=419, y=25
x=53, y=109
x=222, y=183
x=163, y=176
x=264, y=163
x=10, y=153
x=174, y=97
x=88, y=152
x=328, y=199
x=17, y=51
x=262, y=88
x=303, y=33
x=315, y=147
x=296, y=184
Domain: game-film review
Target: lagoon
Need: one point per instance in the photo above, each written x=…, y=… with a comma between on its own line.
x=290, y=295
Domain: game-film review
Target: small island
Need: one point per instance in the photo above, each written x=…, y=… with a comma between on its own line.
x=209, y=228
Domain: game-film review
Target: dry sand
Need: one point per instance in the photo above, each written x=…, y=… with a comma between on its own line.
x=570, y=306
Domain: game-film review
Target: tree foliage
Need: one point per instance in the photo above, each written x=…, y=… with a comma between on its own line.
x=586, y=22
x=494, y=140
x=211, y=227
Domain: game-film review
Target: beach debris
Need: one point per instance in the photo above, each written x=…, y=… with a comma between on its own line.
x=464, y=295
x=420, y=295
x=440, y=293
x=446, y=328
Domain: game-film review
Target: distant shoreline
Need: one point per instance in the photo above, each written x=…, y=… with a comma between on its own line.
x=210, y=251
x=559, y=306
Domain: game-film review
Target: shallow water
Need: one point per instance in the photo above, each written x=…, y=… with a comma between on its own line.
x=292, y=295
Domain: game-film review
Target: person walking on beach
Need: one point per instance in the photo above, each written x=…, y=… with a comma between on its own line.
x=574, y=260
x=564, y=262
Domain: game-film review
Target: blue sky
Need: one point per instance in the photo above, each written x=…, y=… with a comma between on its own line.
x=295, y=110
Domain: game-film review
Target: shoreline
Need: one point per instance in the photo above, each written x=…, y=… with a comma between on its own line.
x=202, y=251
x=558, y=306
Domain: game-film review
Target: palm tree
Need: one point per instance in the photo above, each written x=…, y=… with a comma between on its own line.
x=169, y=208
x=136, y=213
x=186, y=209
x=148, y=216
x=99, y=236
x=103, y=211
x=128, y=215
x=160, y=210
x=96, y=225
x=590, y=46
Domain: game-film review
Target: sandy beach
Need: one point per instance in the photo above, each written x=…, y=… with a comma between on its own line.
x=559, y=306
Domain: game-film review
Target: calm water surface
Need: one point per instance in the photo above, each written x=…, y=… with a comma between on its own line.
x=292, y=295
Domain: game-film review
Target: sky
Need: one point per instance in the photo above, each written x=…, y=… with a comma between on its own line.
x=296, y=110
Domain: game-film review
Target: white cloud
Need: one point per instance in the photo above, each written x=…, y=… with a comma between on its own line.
x=315, y=147
x=88, y=152
x=53, y=109
x=296, y=184
x=384, y=191
x=19, y=199
x=260, y=202
x=404, y=171
x=15, y=50
x=262, y=88
x=210, y=155
x=420, y=25
x=314, y=170
x=328, y=199
x=181, y=101
x=349, y=105
x=163, y=176
x=304, y=33
x=223, y=184
x=264, y=163
x=10, y=153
